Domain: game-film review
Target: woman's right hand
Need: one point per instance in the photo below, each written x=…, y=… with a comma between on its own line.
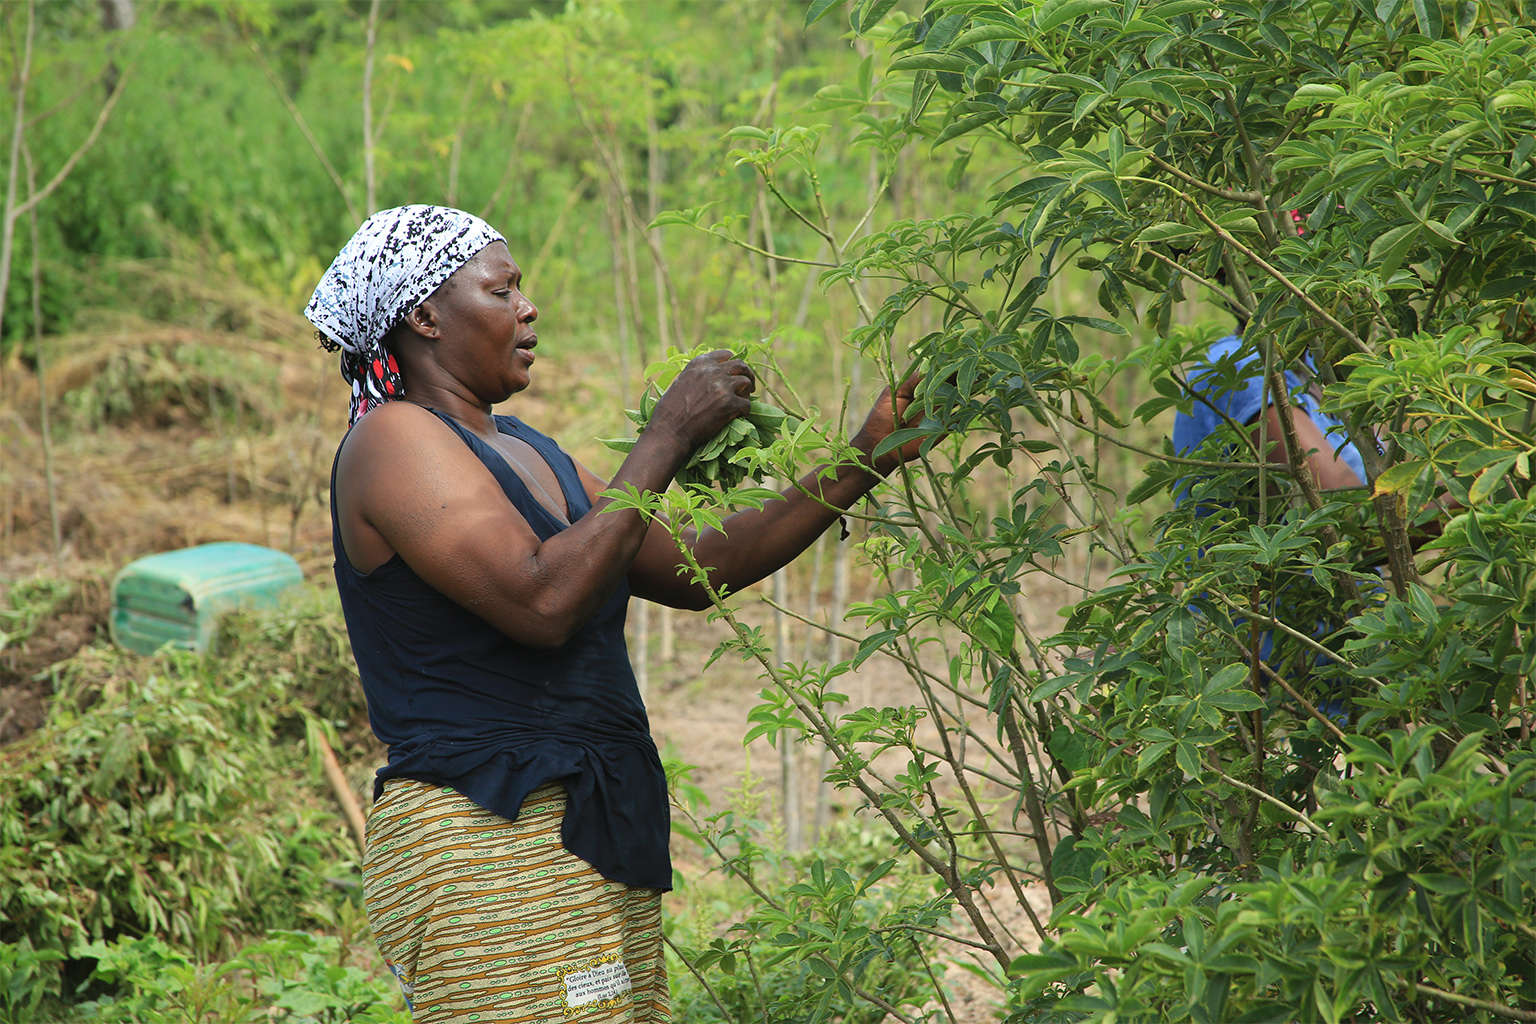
x=712, y=390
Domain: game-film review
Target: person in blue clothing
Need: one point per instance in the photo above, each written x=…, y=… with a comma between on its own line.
x=1230, y=390
x=517, y=847
x=1332, y=458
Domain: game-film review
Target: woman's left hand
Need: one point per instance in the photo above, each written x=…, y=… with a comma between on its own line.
x=891, y=412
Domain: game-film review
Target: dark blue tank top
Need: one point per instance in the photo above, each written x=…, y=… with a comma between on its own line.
x=461, y=704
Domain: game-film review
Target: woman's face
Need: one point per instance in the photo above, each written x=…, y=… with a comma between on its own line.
x=485, y=323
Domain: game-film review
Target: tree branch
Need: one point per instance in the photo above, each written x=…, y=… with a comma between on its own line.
x=1480, y=1004
x=1287, y=808
x=303, y=126
x=1256, y=198
x=369, y=191
x=74, y=158
x=1282, y=280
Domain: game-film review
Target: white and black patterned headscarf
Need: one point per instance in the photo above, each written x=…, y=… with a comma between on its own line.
x=394, y=262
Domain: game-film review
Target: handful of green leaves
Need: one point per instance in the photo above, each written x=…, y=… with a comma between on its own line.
x=719, y=462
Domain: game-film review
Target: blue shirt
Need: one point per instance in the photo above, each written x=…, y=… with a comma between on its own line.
x=1232, y=380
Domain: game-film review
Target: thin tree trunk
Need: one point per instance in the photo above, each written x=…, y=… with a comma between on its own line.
x=514, y=148
x=611, y=159
x=789, y=774
x=557, y=232
x=42, y=369
x=841, y=565
x=117, y=15
x=632, y=271
x=640, y=654
x=620, y=278
x=303, y=127
x=368, y=140
x=654, y=175
x=456, y=151
x=18, y=129
x=13, y=210
x=812, y=607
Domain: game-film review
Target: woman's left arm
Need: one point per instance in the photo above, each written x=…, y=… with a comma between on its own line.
x=755, y=542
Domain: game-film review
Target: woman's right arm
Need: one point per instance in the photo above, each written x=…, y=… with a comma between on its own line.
x=406, y=483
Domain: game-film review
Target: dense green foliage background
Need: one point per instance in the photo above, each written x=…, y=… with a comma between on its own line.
x=1052, y=207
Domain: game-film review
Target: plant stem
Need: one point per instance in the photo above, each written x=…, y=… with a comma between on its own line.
x=369, y=191
x=1287, y=808
x=1479, y=1004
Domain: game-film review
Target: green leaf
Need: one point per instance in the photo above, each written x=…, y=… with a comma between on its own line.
x=1240, y=224
x=1151, y=755
x=990, y=32
x=1187, y=755
x=1446, y=885
x=870, y=14
x=1151, y=89
x=1505, y=287
x=1182, y=630
x=818, y=10
x=1398, y=478
x=1077, y=83
x=1466, y=18
x=1054, y=13
x=1227, y=44
x=1097, y=323
x=1479, y=460
x=1427, y=13
x=1051, y=687
x=1087, y=103
x=1230, y=677
x=924, y=85
x=1315, y=92
x=1167, y=231
x=953, y=62
x=1030, y=962
x=1069, y=748
x=1489, y=479
x=1276, y=37
x=967, y=124
x=1237, y=701
x=1174, y=8
x=1392, y=246
x=1067, y=861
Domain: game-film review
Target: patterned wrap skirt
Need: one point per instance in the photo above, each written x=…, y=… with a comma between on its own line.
x=485, y=919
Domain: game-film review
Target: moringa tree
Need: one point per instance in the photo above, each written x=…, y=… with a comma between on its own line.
x=1339, y=829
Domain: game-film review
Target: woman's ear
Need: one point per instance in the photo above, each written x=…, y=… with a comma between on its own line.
x=422, y=321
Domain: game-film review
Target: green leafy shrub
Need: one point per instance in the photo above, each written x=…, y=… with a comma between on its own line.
x=292, y=976
x=813, y=936
x=27, y=977
x=160, y=384
x=1339, y=830
x=728, y=458
x=146, y=811
x=31, y=602
x=176, y=797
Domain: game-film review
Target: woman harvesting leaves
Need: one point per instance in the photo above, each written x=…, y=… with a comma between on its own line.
x=517, y=848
